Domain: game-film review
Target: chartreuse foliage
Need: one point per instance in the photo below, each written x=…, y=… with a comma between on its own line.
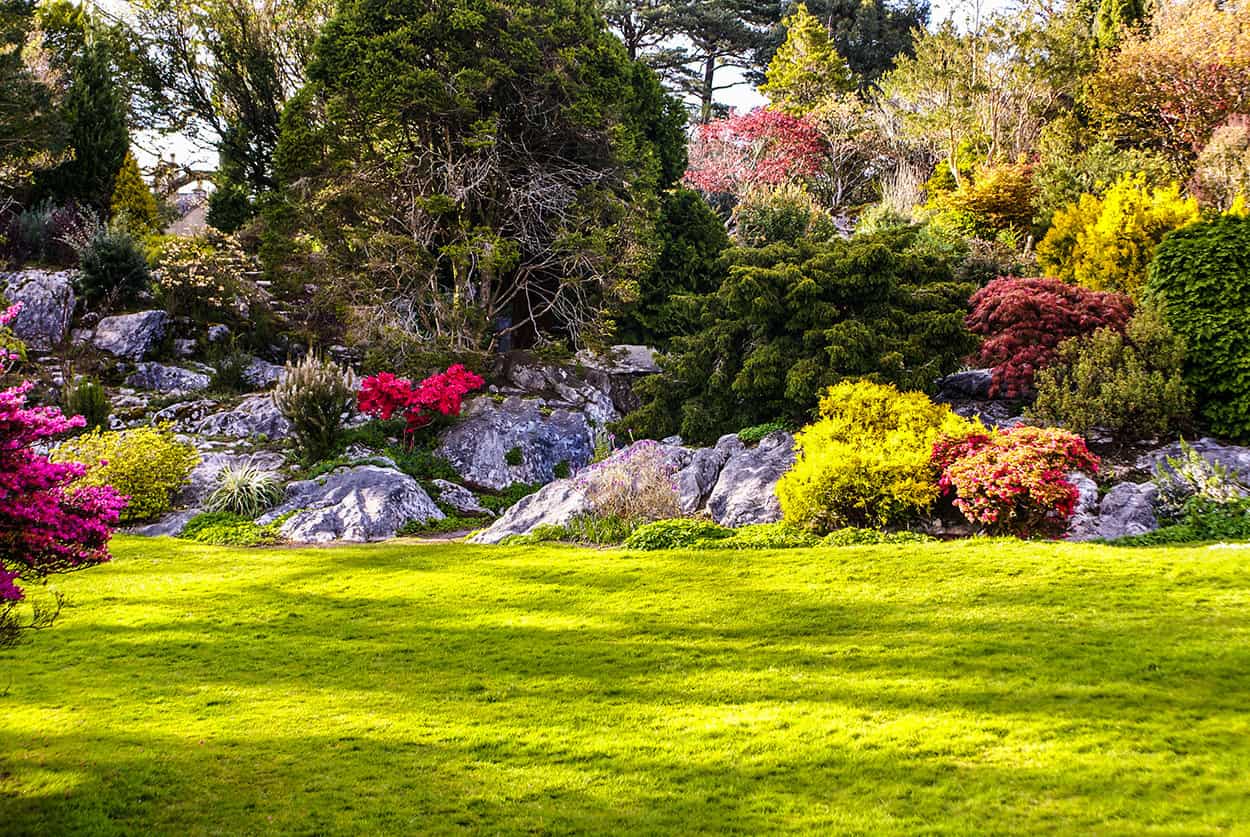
x=866, y=460
x=1106, y=243
x=791, y=320
x=1201, y=276
x=977, y=687
x=147, y=464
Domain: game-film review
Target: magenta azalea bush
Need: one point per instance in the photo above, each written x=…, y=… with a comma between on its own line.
x=45, y=526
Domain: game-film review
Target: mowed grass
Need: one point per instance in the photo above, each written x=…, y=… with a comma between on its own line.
x=958, y=688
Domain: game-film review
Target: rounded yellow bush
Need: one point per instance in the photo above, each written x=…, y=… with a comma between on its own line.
x=147, y=464
x=865, y=462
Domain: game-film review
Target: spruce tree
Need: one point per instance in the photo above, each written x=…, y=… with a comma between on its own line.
x=132, y=200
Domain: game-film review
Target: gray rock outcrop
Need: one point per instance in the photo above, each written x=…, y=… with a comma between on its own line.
x=460, y=499
x=1232, y=457
x=361, y=503
x=204, y=476
x=47, y=299
x=968, y=384
x=743, y=492
x=131, y=336
x=489, y=434
x=157, y=377
x=732, y=482
x=255, y=415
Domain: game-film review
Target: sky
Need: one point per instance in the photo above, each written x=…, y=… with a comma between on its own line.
x=742, y=97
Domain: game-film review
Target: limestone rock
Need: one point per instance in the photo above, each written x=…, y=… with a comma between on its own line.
x=461, y=499
x=47, y=299
x=743, y=492
x=479, y=445
x=968, y=384
x=171, y=525
x=696, y=481
x=131, y=336
x=554, y=504
x=362, y=503
x=157, y=377
x=1233, y=457
x=255, y=415
x=1084, y=523
x=262, y=374
x=1128, y=509
x=623, y=359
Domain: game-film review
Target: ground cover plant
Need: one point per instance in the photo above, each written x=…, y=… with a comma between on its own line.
x=975, y=687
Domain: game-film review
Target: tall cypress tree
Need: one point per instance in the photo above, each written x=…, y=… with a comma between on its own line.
x=95, y=115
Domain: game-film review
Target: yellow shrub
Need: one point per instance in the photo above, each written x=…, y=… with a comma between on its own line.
x=145, y=463
x=1107, y=243
x=866, y=460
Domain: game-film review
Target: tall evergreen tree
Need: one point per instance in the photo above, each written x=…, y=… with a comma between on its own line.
x=33, y=133
x=807, y=69
x=95, y=115
x=869, y=34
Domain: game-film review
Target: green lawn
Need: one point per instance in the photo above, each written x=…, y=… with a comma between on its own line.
x=938, y=689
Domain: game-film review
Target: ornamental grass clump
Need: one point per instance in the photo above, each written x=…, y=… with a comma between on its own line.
x=245, y=490
x=313, y=395
x=635, y=486
x=866, y=461
x=1014, y=482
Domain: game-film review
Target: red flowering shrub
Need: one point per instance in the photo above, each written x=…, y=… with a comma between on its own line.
x=749, y=150
x=45, y=526
x=1023, y=322
x=1014, y=481
x=383, y=395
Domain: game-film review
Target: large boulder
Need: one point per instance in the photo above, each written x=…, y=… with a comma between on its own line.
x=554, y=504
x=131, y=336
x=1128, y=509
x=47, y=299
x=623, y=359
x=262, y=374
x=1232, y=457
x=697, y=479
x=255, y=415
x=744, y=493
x=362, y=503
x=157, y=377
x=968, y=384
x=170, y=526
x=1084, y=522
x=488, y=434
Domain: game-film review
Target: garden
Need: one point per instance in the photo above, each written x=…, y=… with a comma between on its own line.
x=609, y=416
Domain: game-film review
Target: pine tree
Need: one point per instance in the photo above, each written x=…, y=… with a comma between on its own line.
x=96, y=117
x=132, y=199
x=807, y=69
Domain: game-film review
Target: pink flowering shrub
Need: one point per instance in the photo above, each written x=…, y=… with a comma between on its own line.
x=1014, y=481
x=46, y=527
x=634, y=485
x=384, y=395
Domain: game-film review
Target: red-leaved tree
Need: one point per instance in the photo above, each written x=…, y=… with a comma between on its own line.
x=1014, y=481
x=384, y=395
x=46, y=526
x=1023, y=322
x=756, y=149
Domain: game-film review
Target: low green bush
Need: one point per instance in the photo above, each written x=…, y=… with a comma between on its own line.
x=1203, y=520
x=228, y=529
x=451, y=523
x=676, y=533
x=1130, y=384
x=113, y=269
x=860, y=537
x=513, y=457
x=752, y=435
x=780, y=535
x=147, y=464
